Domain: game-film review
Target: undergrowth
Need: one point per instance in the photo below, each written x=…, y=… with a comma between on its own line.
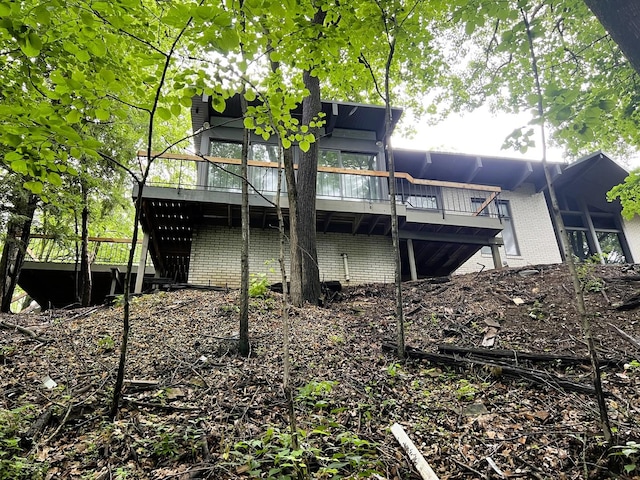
x=14, y=465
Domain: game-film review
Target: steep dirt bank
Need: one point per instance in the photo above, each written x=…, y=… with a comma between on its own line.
x=194, y=409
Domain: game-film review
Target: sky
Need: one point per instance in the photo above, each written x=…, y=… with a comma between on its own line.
x=480, y=133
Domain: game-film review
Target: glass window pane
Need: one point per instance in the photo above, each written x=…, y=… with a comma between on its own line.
x=225, y=149
x=328, y=184
x=358, y=161
x=262, y=152
x=611, y=247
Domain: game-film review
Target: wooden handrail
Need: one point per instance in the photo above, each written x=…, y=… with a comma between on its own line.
x=345, y=171
x=91, y=239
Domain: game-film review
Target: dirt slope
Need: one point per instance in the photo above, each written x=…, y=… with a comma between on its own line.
x=194, y=409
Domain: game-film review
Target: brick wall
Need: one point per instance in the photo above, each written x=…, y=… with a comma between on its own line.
x=215, y=256
x=533, y=229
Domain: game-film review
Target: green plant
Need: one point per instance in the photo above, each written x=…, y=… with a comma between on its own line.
x=465, y=390
x=314, y=393
x=13, y=465
x=326, y=451
x=631, y=453
x=435, y=321
x=586, y=274
x=536, y=312
x=259, y=283
x=106, y=344
x=393, y=370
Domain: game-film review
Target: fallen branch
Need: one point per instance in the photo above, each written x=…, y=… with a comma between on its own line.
x=524, y=356
x=630, y=303
x=537, y=377
x=423, y=467
x=24, y=330
x=633, y=341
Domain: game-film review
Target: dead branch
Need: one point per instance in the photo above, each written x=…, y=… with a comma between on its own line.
x=524, y=356
x=24, y=330
x=537, y=377
x=633, y=341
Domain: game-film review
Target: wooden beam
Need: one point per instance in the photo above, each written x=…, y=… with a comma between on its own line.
x=346, y=171
x=375, y=221
x=527, y=170
x=356, y=223
x=451, y=238
x=485, y=204
x=327, y=222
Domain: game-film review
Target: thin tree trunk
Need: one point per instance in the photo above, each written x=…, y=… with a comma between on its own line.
x=117, y=389
x=295, y=252
x=395, y=237
x=85, y=263
x=286, y=374
x=244, y=346
x=566, y=247
x=15, y=245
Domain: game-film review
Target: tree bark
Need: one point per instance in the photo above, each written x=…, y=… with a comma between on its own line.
x=85, y=261
x=295, y=272
x=621, y=18
x=244, y=249
x=15, y=245
x=307, y=177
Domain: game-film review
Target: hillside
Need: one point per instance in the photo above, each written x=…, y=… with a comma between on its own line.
x=194, y=409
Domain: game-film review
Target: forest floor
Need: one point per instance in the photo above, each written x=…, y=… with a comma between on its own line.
x=193, y=408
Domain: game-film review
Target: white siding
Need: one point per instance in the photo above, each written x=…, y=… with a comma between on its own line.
x=533, y=229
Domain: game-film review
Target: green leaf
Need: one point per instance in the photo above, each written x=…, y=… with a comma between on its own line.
x=19, y=166
x=102, y=115
x=54, y=179
x=607, y=105
x=163, y=113
x=97, y=47
x=249, y=123
x=304, y=145
x=34, y=186
x=76, y=152
x=31, y=44
x=286, y=143
x=218, y=104
x=5, y=9
x=250, y=95
x=73, y=116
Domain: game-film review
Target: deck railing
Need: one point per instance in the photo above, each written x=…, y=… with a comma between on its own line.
x=102, y=251
x=223, y=174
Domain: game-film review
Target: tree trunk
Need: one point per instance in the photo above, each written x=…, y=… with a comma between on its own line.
x=85, y=262
x=244, y=249
x=15, y=245
x=565, y=245
x=621, y=18
x=295, y=273
x=307, y=176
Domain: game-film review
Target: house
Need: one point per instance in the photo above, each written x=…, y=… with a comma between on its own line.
x=457, y=213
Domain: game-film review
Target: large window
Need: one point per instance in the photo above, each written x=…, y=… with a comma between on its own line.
x=340, y=185
x=263, y=179
x=508, y=232
x=225, y=179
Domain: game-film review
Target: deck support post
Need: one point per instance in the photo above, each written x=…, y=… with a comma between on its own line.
x=142, y=263
x=412, y=260
x=495, y=253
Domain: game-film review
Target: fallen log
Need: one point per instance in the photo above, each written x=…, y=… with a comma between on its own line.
x=629, y=303
x=523, y=356
x=537, y=377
